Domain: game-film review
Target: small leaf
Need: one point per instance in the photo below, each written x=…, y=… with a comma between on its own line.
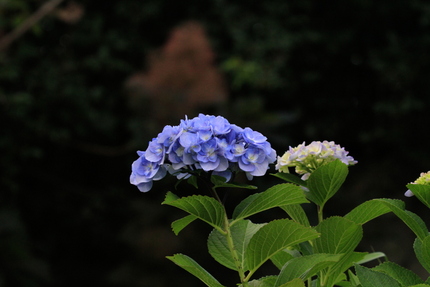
x=370, y=278
x=282, y=257
x=291, y=178
x=194, y=268
x=305, y=267
x=422, y=251
x=404, y=276
x=335, y=272
x=193, y=181
x=296, y=212
x=274, y=237
x=170, y=196
x=422, y=192
x=205, y=208
x=241, y=234
x=325, y=181
x=338, y=235
x=370, y=257
x=180, y=224
x=220, y=181
x=278, y=195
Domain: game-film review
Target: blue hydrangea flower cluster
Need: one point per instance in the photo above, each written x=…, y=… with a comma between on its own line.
x=208, y=143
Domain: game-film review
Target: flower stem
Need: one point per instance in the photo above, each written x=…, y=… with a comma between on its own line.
x=230, y=244
x=233, y=252
x=320, y=213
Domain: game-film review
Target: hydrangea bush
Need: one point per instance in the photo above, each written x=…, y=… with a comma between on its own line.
x=210, y=149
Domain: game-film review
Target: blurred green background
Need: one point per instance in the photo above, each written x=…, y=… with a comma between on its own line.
x=86, y=83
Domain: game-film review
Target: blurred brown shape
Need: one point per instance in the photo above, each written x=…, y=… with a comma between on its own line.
x=71, y=13
x=181, y=78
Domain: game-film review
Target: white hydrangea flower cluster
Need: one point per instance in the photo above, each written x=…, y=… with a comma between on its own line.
x=307, y=158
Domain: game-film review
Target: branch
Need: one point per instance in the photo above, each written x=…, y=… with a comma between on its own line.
x=45, y=9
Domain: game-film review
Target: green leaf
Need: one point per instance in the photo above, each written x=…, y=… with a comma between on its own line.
x=220, y=181
x=290, y=178
x=193, y=181
x=370, y=257
x=297, y=282
x=241, y=234
x=376, y=207
x=170, y=196
x=267, y=281
x=338, y=235
x=335, y=272
x=305, y=267
x=422, y=251
x=371, y=209
x=205, y=208
x=402, y=275
x=370, y=278
x=278, y=195
x=296, y=212
x=274, y=237
x=282, y=257
x=180, y=224
x=413, y=221
x=194, y=268
x=422, y=192
x=325, y=181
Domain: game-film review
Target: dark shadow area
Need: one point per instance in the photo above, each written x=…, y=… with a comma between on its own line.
x=91, y=82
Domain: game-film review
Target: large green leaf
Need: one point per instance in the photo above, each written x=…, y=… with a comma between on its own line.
x=278, y=195
x=325, y=181
x=422, y=251
x=205, y=208
x=338, y=235
x=376, y=207
x=305, y=267
x=370, y=278
x=413, y=221
x=422, y=192
x=241, y=233
x=402, y=275
x=371, y=209
x=267, y=281
x=194, y=268
x=274, y=237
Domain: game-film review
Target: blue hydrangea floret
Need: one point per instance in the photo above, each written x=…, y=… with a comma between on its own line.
x=205, y=143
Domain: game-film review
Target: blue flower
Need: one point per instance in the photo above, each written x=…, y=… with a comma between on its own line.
x=143, y=172
x=205, y=143
x=254, y=161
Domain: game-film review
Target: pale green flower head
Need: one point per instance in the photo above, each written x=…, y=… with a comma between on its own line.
x=424, y=179
x=306, y=158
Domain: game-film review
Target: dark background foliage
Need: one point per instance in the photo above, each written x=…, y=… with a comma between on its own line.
x=355, y=72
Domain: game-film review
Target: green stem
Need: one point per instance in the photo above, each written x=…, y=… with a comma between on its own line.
x=234, y=254
x=320, y=213
x=230, y=244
